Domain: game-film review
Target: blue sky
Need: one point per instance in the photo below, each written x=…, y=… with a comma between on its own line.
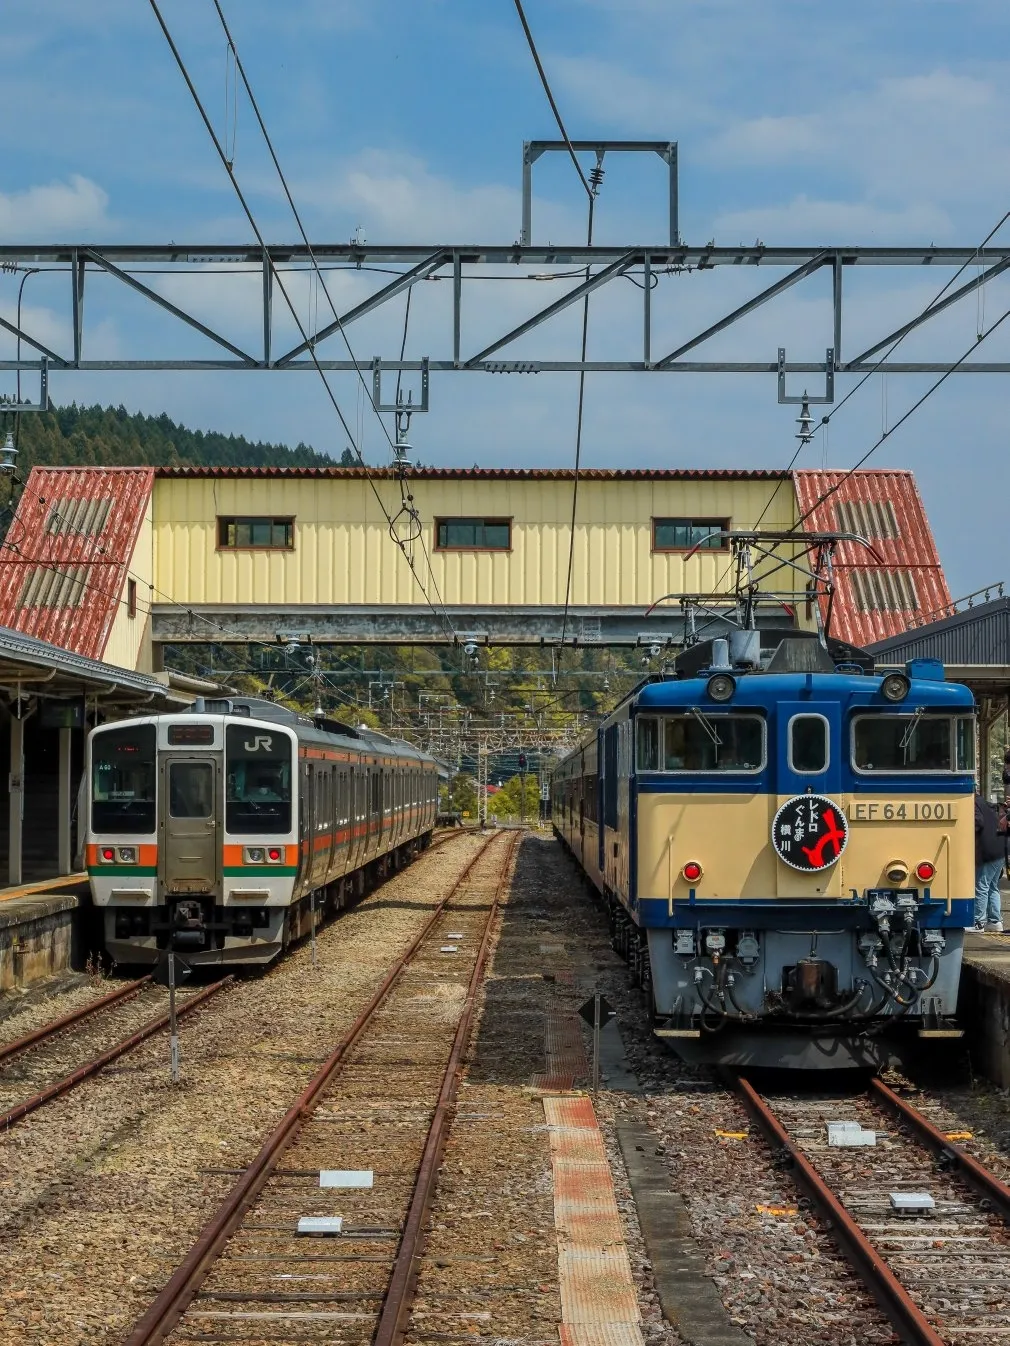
x=797, y=122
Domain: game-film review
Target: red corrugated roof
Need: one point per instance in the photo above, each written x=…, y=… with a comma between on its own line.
x=490, y=473
x=67, y=552
x=875, y=599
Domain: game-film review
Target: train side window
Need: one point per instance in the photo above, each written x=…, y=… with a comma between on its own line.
x=808, y=744
x=648, y=743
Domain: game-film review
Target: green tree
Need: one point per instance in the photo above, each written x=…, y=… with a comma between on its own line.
x=463, y=795
x=510, y=802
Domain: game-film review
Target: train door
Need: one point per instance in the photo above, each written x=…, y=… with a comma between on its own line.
x=189, y=858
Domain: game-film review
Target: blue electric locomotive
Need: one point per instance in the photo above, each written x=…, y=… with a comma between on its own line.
x=785, y=843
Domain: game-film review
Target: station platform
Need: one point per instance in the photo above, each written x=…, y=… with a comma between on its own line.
x=38, y=930
x=984, y=1000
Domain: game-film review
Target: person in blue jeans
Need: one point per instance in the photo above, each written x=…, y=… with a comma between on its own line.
x=990, y=857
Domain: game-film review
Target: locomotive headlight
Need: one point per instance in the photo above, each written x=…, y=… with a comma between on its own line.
x=925, y=870
x=692, y=871
x=127, y=855
x=896, y=871
x=895, y=687
x=721, y=687
x=253, y=855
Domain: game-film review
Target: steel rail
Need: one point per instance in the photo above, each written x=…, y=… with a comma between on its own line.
x=870, y=1264
x=392, y=1325
x=82, y=1073
x=49, y=1030
x=976, y=1175
x=164, y=1313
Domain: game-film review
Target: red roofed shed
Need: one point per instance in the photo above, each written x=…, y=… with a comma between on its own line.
x=68, y=552
x=875, y=599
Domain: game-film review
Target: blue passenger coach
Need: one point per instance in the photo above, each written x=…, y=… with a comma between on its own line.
x=785, y=844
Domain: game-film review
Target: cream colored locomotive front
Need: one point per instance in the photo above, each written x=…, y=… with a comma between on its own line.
x=193, y=822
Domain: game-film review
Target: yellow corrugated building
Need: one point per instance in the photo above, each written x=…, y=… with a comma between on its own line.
x=130, y=559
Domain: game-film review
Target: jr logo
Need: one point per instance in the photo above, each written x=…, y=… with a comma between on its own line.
x=261, y=742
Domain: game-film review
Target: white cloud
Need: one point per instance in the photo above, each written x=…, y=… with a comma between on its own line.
x=58, y=210
x=813, y=221
x=396, y=196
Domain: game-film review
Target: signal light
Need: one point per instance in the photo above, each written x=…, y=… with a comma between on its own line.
x=274, y=854
x=895, y=687
x=692, y=871
x=108, y=854
x=925, y=871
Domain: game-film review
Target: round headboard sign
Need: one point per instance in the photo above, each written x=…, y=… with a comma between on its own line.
x=810, y=832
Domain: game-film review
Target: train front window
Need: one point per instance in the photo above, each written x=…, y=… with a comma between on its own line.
x=808, y=743
x=916, y=742
x=258, y=797
x=701, y=742
x=123, y=776
x=190, y=789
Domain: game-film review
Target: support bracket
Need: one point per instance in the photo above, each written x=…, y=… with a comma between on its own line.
x=399, y=405
x=829, y=382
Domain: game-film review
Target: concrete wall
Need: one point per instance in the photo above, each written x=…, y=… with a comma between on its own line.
x=36, y=938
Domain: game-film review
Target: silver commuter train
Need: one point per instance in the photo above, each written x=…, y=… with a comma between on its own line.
x=216, y=827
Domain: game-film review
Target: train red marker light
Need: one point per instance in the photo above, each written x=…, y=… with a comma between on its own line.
x=692, y=871
x=108, y=854
x=274, y=854
x=925, y=871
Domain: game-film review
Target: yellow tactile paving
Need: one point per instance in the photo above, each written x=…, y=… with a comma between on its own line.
x=599, y=1305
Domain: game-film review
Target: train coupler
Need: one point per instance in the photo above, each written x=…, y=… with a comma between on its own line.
x=935, y=1024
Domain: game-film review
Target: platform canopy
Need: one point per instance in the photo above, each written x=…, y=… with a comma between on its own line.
x=974, y=647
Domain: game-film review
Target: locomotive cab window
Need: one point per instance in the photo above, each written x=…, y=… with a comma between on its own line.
x=258, y=795
x=808, y=744
x=701, y=742
x=123, y=774
x=914, y=742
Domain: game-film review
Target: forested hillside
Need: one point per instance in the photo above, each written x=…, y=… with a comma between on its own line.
x=111, y=436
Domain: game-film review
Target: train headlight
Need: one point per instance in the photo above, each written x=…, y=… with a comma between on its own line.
x=253, y=855
x=108, y=855
x=274, y=855
x=127, y=855
x=895, y=687
x=896, y=871
x=721, y=687
x=925, y=870
x=692, y=871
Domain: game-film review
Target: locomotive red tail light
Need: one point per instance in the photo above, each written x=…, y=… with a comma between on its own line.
x=274, y=853
x=692, y=871
x=925, y=871
x=108, y=854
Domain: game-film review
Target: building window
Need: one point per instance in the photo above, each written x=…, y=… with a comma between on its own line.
x=275, y=534
x=131, y=598
x=474, y=534
x=684, y=534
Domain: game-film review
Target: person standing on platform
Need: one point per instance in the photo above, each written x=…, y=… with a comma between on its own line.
x=990, y=857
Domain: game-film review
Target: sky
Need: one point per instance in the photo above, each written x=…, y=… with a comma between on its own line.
x=797, y=122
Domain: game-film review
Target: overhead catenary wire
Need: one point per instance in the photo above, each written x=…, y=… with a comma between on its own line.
x=289, y=197
x=591, y=188
x=442, y=615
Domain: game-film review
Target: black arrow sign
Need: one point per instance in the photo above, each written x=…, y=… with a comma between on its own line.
x=588, y=1011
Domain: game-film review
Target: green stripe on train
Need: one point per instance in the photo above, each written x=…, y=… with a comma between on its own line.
x=131, y=871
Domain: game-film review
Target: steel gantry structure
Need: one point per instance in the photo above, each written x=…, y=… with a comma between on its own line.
x=460, y=266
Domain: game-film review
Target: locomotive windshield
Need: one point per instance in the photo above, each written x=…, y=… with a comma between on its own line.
x=700, y=742
x=913, y=743
x=259, y=780
x=123, y=775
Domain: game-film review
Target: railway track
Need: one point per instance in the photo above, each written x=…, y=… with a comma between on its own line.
x=48, y=1063
x=941, y=1276
x=31, y=1077
x=376, y=1115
